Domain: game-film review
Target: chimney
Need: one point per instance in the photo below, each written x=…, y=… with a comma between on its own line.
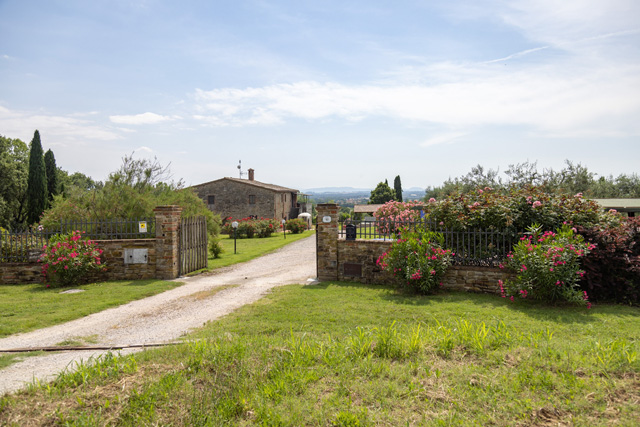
x=250, y=174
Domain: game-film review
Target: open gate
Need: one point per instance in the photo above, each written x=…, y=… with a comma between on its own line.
x=193, y=244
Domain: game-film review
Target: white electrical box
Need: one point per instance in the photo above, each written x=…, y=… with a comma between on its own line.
x=136, y=256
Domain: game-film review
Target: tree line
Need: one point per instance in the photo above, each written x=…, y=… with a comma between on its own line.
x=571, y=179
x=33, y=190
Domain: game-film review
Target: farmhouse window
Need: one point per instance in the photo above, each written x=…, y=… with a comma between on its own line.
x=252, y=199
x=211, y=200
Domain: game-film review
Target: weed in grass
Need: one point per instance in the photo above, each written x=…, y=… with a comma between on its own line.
x=79, y=341
x=615, y=355
x=388, y=343
x=103, y=367
x=360, y=344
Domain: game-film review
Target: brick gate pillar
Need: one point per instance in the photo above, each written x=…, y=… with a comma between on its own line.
x=327, y=243
x=167, y=253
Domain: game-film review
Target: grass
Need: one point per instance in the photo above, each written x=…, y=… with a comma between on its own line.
x=248, y=249
x=28, y=307
x=345, y=354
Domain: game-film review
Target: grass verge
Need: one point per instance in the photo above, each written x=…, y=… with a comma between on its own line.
x=28, y=307
x=347, y=354
x=248, y=249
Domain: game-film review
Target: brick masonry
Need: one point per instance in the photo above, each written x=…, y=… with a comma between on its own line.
x=161, y=262
x=339, y=259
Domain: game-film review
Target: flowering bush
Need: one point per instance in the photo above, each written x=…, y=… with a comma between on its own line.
x=417, y=260
x=513, y=210
x=392, y=213
x=296, y=225
x=68, y=258
x=547, y=266
x=249, y=228
x=613, y=266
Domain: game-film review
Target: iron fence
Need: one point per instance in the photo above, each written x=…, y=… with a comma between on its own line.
x=20, y=246
x=474, y=247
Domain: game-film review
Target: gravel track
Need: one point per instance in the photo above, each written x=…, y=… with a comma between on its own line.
x=163, y=317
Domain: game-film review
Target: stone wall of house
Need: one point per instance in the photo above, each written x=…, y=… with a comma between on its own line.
x=355, y=260
x=159, y=256
x=232, y=199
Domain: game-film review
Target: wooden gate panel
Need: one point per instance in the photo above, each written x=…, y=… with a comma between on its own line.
x=193, y=244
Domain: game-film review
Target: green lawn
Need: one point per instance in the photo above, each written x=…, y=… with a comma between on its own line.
x=28, y=307
x=248, y=249
x=354, y=355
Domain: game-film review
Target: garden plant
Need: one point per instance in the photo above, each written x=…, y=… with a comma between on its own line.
x=68, y=258
x=417, y=260
x=547, y=266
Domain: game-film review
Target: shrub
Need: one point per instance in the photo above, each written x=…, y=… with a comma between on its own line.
x=296, y=225
x=215, y=248
x=249, y=228
x=392, y=212
x=613, y=266
x=513, y=210
x=68, y=258
x=547, y=266
x=417, y=260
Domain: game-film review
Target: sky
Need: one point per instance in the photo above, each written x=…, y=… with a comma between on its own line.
x=324, y=93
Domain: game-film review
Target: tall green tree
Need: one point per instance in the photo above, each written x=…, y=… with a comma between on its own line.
x=37, y=181
x=14, y=155
x=53, y=187
x=382, y=194
x=397, y=187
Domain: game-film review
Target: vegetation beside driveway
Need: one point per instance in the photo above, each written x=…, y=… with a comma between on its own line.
x=351, y=354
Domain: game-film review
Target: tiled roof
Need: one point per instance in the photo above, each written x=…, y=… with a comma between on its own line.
x=259, y=184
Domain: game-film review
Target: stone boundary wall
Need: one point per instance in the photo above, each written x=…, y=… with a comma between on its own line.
x=355, y=260
x=161, y=261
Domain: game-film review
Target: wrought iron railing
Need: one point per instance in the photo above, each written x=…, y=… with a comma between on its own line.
x=19, y=246
x=478, y=247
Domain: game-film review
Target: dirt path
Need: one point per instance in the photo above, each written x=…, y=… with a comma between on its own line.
x=163, y=317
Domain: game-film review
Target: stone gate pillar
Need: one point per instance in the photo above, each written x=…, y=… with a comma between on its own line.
x=167, y=253
x=327, y=243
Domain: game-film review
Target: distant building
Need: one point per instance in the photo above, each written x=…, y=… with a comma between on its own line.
x=243, y=198
x=629, y=206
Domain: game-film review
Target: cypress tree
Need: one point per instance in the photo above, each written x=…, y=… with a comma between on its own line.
x=397, y=186
x=37, y=181
x=52, y=175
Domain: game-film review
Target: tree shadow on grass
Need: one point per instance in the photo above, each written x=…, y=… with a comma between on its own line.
x=560, y=313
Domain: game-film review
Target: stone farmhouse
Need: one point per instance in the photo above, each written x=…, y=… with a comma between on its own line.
x=243, y=198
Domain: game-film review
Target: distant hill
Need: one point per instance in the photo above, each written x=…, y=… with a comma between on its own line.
x=337, y=190
x=350, y=196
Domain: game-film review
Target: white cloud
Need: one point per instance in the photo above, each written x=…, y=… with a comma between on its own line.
x=140, y=119
x=443, y=138
x=63, y=129
x=562, y=97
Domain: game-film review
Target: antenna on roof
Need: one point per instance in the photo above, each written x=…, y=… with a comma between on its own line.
x=240, y=169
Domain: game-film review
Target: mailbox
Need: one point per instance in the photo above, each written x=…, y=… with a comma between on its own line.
x=351, y=231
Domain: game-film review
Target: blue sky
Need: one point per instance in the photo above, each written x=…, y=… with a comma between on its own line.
x=325, y=93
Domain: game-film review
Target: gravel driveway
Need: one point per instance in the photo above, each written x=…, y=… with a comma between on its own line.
x=163, y=317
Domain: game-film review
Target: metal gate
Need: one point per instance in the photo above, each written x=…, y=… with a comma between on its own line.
x=193, y=244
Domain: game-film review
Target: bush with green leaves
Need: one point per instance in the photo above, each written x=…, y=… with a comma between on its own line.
x=249, y=228
x=417, y=260
x=513, y=210
x=613, y=265
x=133, y=191
x=215, y=248
x=296, y=225
x=547, y=266
x=69, y=258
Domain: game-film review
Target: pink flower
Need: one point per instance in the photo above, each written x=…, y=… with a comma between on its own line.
x=432, y=200
x=537, y=203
